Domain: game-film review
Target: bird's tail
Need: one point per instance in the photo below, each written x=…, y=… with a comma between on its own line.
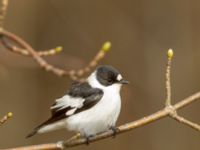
x=31, y=134
x=46, y=127
x=36, y=130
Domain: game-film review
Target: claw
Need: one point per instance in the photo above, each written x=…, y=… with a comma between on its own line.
x=115, y=130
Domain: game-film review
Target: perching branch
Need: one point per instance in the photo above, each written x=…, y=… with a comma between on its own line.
x=123, y=128
x=168, y=111
x=5, y=118
x=27, y=50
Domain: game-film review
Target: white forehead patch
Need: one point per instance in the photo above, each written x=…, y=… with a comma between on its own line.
x=119, y=77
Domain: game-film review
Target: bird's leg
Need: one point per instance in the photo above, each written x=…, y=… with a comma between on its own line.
x=115, y=130
x=88, y=139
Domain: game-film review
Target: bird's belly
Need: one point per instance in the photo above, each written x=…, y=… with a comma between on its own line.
x=97, y=119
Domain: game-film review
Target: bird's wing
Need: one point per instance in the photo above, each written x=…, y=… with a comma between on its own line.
x=80, y=97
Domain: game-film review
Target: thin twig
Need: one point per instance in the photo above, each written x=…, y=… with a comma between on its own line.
x=187, y=122
x=168, y=82
x=187, y=101
x=27, y=50
x=73, y=74
x=5, y=118
x=173, y=109
x=24, y=52
x=3, y=9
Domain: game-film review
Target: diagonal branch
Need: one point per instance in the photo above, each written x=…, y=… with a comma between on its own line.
x=186, y=122
x=27, y=50
x=73, y=74
x=24, y=52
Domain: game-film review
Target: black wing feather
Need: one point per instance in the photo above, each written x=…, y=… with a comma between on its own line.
x=91, y=100
x=80, y=90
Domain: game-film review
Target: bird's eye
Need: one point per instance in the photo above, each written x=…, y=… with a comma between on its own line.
x=109, y=80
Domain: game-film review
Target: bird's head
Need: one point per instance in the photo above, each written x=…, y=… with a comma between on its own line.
x=106, y=76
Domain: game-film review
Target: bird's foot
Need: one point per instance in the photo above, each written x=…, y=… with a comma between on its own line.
x=115, y=130
x=88, y=139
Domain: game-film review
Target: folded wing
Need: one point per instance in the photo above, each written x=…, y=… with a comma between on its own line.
x=80, y=97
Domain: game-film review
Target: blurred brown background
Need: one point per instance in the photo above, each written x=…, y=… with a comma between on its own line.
x=140, y=31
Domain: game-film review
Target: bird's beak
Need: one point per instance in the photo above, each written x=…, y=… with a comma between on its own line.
x=123, y=81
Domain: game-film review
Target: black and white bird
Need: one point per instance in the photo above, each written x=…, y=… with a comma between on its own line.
x=90, y=107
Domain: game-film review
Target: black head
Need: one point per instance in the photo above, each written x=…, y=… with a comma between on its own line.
x=107, y=75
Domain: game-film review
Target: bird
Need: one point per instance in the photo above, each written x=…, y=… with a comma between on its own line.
x=89, y=107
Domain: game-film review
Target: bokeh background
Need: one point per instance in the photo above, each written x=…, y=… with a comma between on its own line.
x=141, y=31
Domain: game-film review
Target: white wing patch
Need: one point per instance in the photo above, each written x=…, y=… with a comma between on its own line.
x=68, y=101
x=71, y=112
